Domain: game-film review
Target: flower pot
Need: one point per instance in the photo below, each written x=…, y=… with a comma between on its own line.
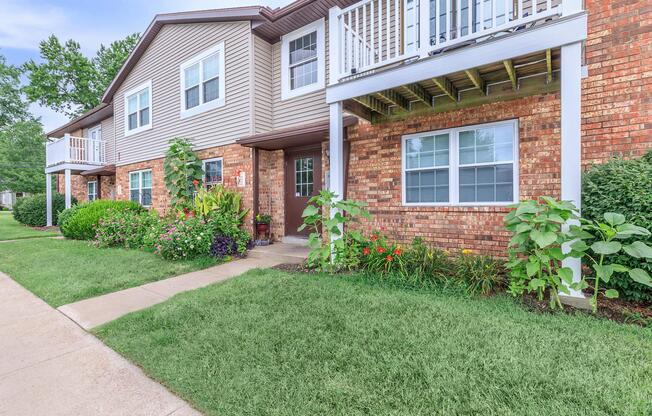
x=262, y=228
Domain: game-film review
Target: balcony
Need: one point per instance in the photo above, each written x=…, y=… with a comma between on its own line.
x=394, y=56
x=74, y=153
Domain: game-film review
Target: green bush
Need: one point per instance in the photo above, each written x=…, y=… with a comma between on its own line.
x=129, y=229
x=623, y=186
x=186, y=239
x=31, y=210
x=81, y=224
x=66, y=214
x=481, y=275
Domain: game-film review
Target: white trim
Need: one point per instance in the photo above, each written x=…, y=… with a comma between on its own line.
x=551, y=35
x=214, y=159
x=454, y=166
x=140, y=185
x=88, y=192
x=220, y=101
x=92, y=129
x=127, y=94
x=319, y=27
x=336, y=156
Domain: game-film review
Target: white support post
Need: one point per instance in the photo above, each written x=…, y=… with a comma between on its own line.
x=48, y=199
x=68, y=191
x=334, y=44
x=571, y=144
x=336, y=151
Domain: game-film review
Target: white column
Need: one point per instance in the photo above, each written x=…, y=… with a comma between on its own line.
x=68, y=191
x=424, y=28
x=48, y=199
x=336, y=151
x=571, y=147
x=334, y=44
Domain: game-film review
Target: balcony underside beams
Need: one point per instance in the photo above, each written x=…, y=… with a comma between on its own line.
x=527, y=75
x=552, y=35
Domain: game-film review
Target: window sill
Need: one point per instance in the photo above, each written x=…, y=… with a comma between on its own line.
x=138, y=130
x=288, y=94
x=211, y=105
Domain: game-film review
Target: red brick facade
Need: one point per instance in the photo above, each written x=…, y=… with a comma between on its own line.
x=617, y=95
x=79, y=185
x=271, y=199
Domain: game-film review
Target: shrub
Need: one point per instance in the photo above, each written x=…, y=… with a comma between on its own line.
x=223, y=246
x=186, y=239
x=481, y=275
x=66, y=214
x=221, y=202
x=31, y=210
x=82, y=223
x=129, y=229
x=623, y=186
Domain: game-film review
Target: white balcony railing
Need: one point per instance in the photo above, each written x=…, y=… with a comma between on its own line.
x=374, y=33
x=75, y=150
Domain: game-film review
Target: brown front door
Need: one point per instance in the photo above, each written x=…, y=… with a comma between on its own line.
x=302, y=181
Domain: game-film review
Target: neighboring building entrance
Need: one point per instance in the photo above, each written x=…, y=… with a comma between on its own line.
x=302, y=181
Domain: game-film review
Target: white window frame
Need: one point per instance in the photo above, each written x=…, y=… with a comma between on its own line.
x=88, y=191
x=131, y=92
x=202, y=107
x=203, y=166
x=454, y=166
x=320, y=27
x=140, y=186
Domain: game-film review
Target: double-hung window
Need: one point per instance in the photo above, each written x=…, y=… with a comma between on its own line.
x=474, y=165
x=202, y=81
x=92, y=190
x=212, y=172
x=303, y=60
x=140, y=187
x=138, y=109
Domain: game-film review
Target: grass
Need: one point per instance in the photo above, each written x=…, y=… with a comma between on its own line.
x=65, y=271
x=276, y=343
x=11, y=229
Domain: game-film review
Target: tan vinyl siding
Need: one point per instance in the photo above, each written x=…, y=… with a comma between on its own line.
x=174, y=45
x=109, y=138
x=262, y=93
x=299, y=110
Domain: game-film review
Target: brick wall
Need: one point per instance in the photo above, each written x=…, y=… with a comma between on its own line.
x=375, y=174
x=235, y=159
x=271, y=199
x=617, y=95
x=79, y=185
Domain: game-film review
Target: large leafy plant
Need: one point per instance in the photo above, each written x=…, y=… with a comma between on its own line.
x=535, y=249
x=606, y=239
x=183, y=172
x=326, y=216
x=219, y=200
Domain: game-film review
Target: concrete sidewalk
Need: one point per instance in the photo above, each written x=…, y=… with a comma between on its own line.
x=50, y=366
x=93, y=312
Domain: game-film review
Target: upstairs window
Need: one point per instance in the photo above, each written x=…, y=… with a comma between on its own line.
x=140, y=187
x=212, y=172
x=138, y=109
x=474, y=165
x=202, y=82
x=303, y=60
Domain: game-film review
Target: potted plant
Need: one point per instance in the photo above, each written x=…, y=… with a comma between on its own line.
x=262, y=223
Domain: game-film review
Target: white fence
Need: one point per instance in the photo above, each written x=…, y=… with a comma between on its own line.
x=77, y=150
x=374, y=33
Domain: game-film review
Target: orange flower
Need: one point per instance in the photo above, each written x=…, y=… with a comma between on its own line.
x=397, y=251
x=366, y=251
x=389, y=258
x=374, y=237
x=380, y=250
x=195, y=182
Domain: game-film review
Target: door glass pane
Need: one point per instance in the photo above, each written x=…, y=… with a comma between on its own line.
x=303, y=173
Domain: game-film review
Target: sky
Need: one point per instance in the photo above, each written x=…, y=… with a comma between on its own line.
x=24, y=23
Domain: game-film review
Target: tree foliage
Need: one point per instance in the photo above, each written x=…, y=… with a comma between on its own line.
x=12, y=106
x=22, y=157
x=69, y=82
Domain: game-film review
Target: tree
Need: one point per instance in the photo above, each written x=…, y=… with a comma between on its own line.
x=69, y=82
x=22, y=157
x=12, y=106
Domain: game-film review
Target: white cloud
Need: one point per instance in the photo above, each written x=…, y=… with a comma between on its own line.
x=22, y=27
x=49, y=118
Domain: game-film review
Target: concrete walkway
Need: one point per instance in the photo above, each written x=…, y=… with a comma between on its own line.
x=93, y=312
x=50, y=366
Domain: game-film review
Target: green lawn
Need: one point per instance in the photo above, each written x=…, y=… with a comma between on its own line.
x=274, y=343
x=64, y=271
x=11, y=229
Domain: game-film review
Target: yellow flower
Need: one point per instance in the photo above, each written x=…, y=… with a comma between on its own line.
x=467, y=251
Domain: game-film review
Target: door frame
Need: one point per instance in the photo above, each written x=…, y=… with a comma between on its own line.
x=287, y=154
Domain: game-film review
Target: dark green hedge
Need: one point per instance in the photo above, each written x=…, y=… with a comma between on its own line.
x=623, y=186
x=80, y=222
x=31, y=210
